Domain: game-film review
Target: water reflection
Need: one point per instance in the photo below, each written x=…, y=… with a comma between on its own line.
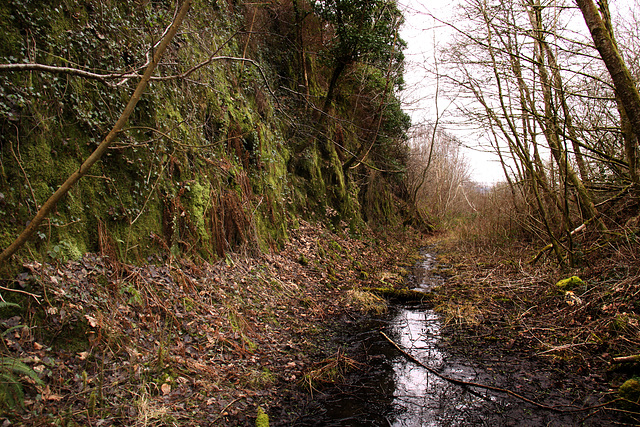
x=397, y=392
x=421, y=398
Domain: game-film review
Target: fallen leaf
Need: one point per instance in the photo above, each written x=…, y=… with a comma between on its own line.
x=48, y=395
x=93, y=322
x=166, y=388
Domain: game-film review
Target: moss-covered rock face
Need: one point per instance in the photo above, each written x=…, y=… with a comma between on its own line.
x=207, y=161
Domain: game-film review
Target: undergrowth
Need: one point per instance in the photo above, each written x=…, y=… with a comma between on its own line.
x=495, y=295
x=189, y=342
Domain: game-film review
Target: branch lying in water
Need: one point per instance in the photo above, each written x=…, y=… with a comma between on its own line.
x=466, y=384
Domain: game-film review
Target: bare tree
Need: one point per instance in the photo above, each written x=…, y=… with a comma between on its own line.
x=522, y=71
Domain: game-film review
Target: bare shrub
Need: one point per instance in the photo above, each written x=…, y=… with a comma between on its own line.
x=498, y=219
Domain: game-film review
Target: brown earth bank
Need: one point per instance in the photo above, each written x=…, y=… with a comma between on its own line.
x=177, y=342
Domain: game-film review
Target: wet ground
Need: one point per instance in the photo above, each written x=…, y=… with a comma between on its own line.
x=392, y=390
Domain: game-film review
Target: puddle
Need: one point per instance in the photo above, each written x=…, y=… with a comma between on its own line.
x=420, y=397
x=394, y=391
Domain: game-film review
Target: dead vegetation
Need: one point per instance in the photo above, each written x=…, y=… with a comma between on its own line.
x=586, y=327
x=180, y=343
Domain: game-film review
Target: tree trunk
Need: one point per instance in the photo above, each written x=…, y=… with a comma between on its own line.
x=550, y=123
x=337, y=72
x=625, y=86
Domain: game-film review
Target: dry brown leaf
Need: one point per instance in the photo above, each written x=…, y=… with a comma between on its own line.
x=93, y=322
x=166, y=389
x=48, y=395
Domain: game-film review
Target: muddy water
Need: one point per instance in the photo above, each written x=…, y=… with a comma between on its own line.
x=391, y=390
x=397, y=392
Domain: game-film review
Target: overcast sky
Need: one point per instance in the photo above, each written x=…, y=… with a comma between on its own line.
x=422, y=33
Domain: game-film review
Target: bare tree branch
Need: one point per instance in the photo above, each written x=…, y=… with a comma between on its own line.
x=48, y=206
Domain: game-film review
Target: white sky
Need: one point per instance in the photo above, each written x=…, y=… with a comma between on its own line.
x=422, y=32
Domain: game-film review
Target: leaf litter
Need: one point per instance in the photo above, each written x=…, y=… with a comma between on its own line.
x=192, y=343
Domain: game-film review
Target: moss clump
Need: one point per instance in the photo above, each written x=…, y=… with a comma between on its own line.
x=66, y=250
x=402, y=295
x=303, y=260
x=262, y=420
x=569, y=284
x=367, y=302
x=198, y=196
x=630, y=393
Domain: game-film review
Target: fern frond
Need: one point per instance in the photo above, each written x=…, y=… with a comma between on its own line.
x=11, y=329
x=11, y=393
x=15, y=366
x=4, y=304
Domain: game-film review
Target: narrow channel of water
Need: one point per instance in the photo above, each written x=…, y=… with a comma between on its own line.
x=420, y=397
x=397, y=392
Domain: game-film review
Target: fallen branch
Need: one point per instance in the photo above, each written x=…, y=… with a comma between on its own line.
x=484, y=386
x=550, y=245
x=34, y=296
x=105, y=78
x=540, y=253
x=404, y=295
x=222, y=413
x=632, y=358
x=30, y=66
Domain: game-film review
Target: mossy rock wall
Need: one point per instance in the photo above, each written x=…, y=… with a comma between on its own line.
x=206, y=163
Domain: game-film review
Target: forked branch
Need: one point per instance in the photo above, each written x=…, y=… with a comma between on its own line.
x=484, y=386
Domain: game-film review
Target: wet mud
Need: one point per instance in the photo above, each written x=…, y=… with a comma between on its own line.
x=391, y=390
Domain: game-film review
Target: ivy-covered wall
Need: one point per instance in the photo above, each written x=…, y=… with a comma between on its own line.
x=210, y=160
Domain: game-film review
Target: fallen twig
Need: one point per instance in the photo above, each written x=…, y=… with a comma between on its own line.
x=562, y=347
x=632, y=358
x=34, y=296
x=487, y=387
x=222, y=413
